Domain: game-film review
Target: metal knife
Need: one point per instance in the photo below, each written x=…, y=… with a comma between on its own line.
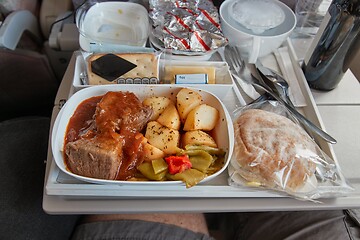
x=275, y=81
x=279, y=86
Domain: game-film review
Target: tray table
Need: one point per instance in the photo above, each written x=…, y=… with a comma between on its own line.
x=64, y=194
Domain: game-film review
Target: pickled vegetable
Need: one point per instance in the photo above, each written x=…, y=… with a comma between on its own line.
x=147, y=170
x=178, y=164
x=211, y=150
x=190, y=177
x=159, y=165
x=201, y=160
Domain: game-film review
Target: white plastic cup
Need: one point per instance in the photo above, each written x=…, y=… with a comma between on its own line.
x=309, y=15
x=253, y=45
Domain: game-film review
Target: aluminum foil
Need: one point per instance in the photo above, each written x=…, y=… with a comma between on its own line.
x=186, y=25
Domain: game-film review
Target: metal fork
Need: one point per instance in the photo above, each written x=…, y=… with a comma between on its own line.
x=243, y=70
x=249, y=73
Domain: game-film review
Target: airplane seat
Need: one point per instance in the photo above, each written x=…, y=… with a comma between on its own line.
x=30, y=69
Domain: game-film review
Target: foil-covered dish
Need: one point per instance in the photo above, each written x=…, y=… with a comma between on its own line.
x=188, y=27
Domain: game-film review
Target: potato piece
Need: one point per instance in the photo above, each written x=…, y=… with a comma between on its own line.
x=187, y=100
x=170, y=117
x=164, y=138
x=151, y=152
x=158, y=105
x=198, y=137
x=202, y=117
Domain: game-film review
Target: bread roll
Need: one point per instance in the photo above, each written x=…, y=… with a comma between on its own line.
x=273, y=151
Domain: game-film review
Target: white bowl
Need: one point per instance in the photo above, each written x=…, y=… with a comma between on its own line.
x=255, y=45
x=123, y=23
x=223, y=132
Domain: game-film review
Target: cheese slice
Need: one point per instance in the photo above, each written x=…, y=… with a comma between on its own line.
x=170, y=72
x=144, y=69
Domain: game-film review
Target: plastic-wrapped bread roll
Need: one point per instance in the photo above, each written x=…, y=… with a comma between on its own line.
x=274, y=152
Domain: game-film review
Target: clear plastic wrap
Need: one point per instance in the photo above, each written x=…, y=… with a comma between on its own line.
x=119, y=66
x=273, y=152
x=257, y=15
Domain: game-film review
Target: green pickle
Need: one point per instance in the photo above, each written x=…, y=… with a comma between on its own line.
x=205, y=161
x=146, y=169
x=211, y=150
x=200, y=155
x=190, y=177
x=159, y=165
x=201, y=160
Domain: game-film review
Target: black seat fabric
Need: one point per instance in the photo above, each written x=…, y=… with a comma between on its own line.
x=27, y=84
x=23, y=149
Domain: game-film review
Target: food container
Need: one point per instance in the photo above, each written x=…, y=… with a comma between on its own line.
x=114, y=23
x=223, y=132
x=223, y=79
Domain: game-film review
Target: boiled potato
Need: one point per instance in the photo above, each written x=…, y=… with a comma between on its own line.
x=198, y=137
x=187, y=100
x=164, y=138
x=158, y=105
x=202, y=117
x=170, y=117
x=151, y=152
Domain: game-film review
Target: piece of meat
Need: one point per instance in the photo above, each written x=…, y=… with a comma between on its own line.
x=94, y=157
x=121, y=110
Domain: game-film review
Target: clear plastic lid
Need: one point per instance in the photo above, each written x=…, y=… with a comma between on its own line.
x=121, y=23
x=257, y=15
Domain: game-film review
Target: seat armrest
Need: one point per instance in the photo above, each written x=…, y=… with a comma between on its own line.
x=14, y=25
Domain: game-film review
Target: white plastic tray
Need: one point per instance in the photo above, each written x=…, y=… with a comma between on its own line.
x=60, y=184
x=223, y=76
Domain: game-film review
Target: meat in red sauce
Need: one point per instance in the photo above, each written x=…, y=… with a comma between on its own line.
x=82, y=120
x=103, y=137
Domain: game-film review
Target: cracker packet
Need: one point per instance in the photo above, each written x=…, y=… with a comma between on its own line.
x=128, y=66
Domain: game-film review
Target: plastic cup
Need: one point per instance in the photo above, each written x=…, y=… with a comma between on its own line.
x=309, y=15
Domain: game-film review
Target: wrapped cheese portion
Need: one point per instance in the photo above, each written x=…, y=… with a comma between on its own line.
x=170, y=72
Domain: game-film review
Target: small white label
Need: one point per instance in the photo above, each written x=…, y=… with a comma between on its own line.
x=201, y=78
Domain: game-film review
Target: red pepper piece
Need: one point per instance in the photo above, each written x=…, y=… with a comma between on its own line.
x=178, y=164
